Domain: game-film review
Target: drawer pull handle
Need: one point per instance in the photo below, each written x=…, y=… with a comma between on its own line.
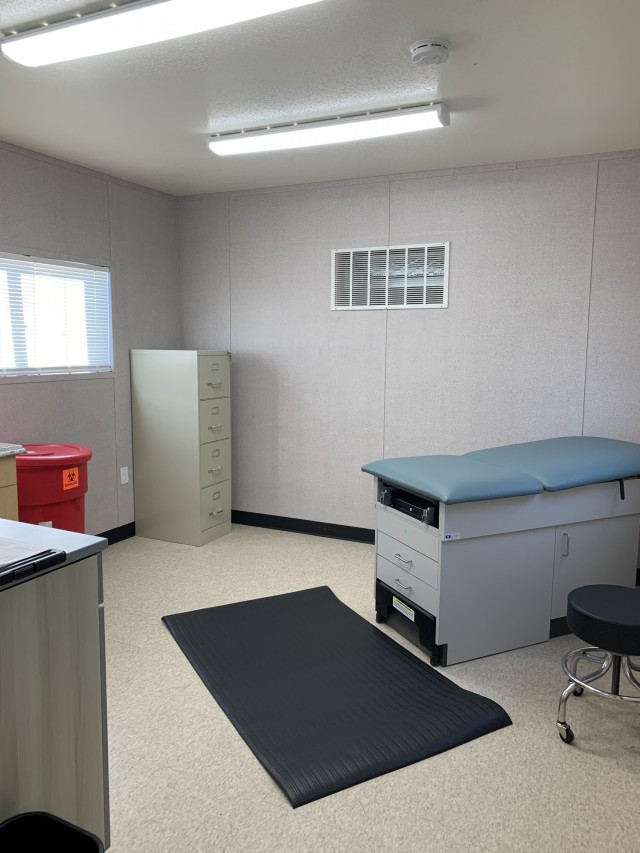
x=217, y=511
x=565, y=544
x=216, y=384
x=402, y=560
x=215, y=470
x=397, y=580
x=215, y=428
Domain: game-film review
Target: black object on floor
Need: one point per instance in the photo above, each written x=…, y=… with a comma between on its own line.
x=324, y=699
x=35, y=831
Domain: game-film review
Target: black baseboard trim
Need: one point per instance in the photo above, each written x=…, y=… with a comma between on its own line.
x=301, y=525
x=558, y=627
x=119, y=534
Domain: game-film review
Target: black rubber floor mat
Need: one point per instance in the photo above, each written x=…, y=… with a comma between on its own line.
x=323, y=698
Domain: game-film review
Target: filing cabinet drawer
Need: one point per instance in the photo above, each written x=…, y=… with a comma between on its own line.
x=407, y=585
x=407, y=558
x=213, y=376
x=405, y=529
x=214, y=463
x=215, y=505
x=214, y=420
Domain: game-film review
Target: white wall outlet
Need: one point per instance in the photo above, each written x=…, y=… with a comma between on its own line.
x=124, y=476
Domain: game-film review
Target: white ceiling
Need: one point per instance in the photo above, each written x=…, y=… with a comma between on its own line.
x=525, y=79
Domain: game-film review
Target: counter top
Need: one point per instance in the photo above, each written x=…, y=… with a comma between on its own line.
x=76, y=545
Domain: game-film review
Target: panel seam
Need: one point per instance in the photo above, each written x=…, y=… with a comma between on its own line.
x=386, y=336
x=229, y=272
x=593, y=240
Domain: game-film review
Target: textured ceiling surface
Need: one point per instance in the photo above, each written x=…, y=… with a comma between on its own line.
x=524, y=80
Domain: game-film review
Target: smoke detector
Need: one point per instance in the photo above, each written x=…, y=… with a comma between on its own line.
x=429, y=51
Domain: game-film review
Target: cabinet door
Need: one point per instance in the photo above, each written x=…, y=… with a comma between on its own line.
x=8, y=488
x=53, y=749
x=495, y=593
x=590, y=552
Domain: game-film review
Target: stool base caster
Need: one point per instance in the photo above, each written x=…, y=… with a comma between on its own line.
x=566, y=734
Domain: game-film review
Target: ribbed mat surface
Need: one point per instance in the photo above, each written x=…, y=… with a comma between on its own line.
x=323, y=698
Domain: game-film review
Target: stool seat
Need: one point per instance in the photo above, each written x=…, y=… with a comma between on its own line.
x=606, y=616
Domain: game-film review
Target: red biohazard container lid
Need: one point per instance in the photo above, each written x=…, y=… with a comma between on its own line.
x=44, y=455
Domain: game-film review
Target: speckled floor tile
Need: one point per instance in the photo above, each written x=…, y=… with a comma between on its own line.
x=183, y=781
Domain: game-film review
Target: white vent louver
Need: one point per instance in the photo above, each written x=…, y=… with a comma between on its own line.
x=391, y=277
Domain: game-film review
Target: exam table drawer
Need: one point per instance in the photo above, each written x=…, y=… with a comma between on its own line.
x=412, y=561
x=405, y=529
x=408, y=586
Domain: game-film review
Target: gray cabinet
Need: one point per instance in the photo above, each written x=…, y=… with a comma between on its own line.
x=493, y=574
x=599, y=551
x=181, y=420
x=53, y=713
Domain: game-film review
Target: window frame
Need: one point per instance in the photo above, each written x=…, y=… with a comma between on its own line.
x=57, y=267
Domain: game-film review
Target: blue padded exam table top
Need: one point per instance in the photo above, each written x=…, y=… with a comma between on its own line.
x=529, y=468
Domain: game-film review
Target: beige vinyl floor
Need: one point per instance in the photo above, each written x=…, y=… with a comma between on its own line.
x=183, y=781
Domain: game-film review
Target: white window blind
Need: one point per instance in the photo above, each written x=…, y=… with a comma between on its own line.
x=391, y=277
x=55, y=317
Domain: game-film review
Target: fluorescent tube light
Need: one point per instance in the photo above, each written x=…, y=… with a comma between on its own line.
x=349, y=129
x=133, y=25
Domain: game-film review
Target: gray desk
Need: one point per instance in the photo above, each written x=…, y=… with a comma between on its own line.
x=53, y=721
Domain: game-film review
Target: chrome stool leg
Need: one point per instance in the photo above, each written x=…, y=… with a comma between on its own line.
x=628, y=667
x=634, y=666
x=607, y=660
x=576, y=686
x=564, y=729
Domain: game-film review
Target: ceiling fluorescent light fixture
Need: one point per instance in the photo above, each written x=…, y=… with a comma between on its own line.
x=348, y=129
x=133, y=25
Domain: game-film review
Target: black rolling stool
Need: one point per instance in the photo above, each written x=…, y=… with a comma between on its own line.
x=608, y=617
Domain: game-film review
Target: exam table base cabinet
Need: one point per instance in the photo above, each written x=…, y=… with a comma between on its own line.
x=502, y=581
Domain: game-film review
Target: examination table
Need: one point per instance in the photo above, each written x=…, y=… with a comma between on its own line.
x=481, y=550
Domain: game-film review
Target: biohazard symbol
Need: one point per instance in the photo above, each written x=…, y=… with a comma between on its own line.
x=70, y=478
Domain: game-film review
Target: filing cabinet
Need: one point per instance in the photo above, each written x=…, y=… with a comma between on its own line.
x=180, y=408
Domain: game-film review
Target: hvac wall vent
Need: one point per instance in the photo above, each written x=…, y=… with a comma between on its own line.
x=390, y=277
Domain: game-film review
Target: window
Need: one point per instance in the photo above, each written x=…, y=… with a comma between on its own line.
x=55, y=317
x=391, y=277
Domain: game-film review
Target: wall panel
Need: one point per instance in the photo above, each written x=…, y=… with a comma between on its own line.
x=146, y=301
x=50, y=209
x=612, y=396
x=307, y=381
x=505, y=362
x=204, y=272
